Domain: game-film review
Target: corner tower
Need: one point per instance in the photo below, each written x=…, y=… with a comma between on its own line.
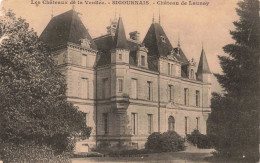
x=203, y=72
x=75, y=53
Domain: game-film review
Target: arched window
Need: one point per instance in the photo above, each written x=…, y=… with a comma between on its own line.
x=171, y=123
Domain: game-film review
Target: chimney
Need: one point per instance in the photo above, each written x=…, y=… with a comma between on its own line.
x=134, y=35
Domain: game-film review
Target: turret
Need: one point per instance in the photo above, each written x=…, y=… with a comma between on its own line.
x=203, y=72
x=120, y=52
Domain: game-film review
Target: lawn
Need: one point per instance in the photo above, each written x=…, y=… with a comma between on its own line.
x=191, y=154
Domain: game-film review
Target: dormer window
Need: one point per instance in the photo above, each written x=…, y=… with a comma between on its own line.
x=120, y=57
x=163, y=39
x=142, y=60
x=85, y=43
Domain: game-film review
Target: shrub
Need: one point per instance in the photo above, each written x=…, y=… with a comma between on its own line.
x=166, y=142
x=154, y=142
x=199, y=140
x=30, y=153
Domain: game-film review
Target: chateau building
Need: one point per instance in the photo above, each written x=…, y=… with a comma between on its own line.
x=126, y=87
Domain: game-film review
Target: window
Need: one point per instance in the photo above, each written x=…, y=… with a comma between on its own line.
x=169, y=69
x=198, y=122
x=142, y=60
x=192, y=73
x=149, y=90
x=163, y=39
x=120, y=57
x=197, y=98
x=105, y=88
x=86, y=118
x=186, y=125
x=134, y=123
x=170, y=93
x=186, y=96
x=171, y=123
x=84, y=60
x=105, y=120
x=150, y=123
x=120, y=85
x=84, y=87
x=134, y=88
x=172, y=70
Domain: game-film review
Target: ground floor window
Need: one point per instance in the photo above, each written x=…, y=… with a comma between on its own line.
x=134, y=120
x=171, y=123
x=105, y=120
x=150, y=123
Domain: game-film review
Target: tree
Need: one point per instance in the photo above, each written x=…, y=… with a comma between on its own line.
x=33, y=105
x=233, y=123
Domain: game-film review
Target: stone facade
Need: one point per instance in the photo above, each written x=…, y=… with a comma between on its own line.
x=130, y=89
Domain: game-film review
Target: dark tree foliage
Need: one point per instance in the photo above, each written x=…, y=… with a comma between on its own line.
x=33, y=105
x=166, y=142
x=234, y=121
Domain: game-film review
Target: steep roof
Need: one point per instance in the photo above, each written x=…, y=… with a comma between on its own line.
x=64, y=28
x=156, y=41
x=203, y=64
x=180, y=56
x=120, y=37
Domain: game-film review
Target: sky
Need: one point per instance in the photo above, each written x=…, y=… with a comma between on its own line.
x=196, y=25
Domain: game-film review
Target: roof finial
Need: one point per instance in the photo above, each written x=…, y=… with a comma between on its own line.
x=179, y=41
x=159, y=16
x=202, y=44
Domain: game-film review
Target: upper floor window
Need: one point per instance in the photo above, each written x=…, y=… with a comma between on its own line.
x=150, y=123
x=105, y=89
x=192, y=74
x=170, y=93
x=142, y=60
x=84, y=87
x=84, y=60
x=134, y=88
x=172, y=69
x=186, y=96
x=120, y=85
x=149, y=90
x=120, y=57
x=169, y=69
x=197, y=98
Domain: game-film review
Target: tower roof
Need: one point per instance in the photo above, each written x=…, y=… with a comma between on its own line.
x=64, y=28
x=120, y=37
x=156, y=41
x=203, y=64
x=159, y=45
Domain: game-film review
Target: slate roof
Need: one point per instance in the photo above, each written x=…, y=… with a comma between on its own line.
x=180, y=56
x=154, y=41
x=203, y=64
x=64, y=28
x=159, y=45
x=120, y=38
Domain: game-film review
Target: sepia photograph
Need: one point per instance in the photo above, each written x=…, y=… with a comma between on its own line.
x=129, y=81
